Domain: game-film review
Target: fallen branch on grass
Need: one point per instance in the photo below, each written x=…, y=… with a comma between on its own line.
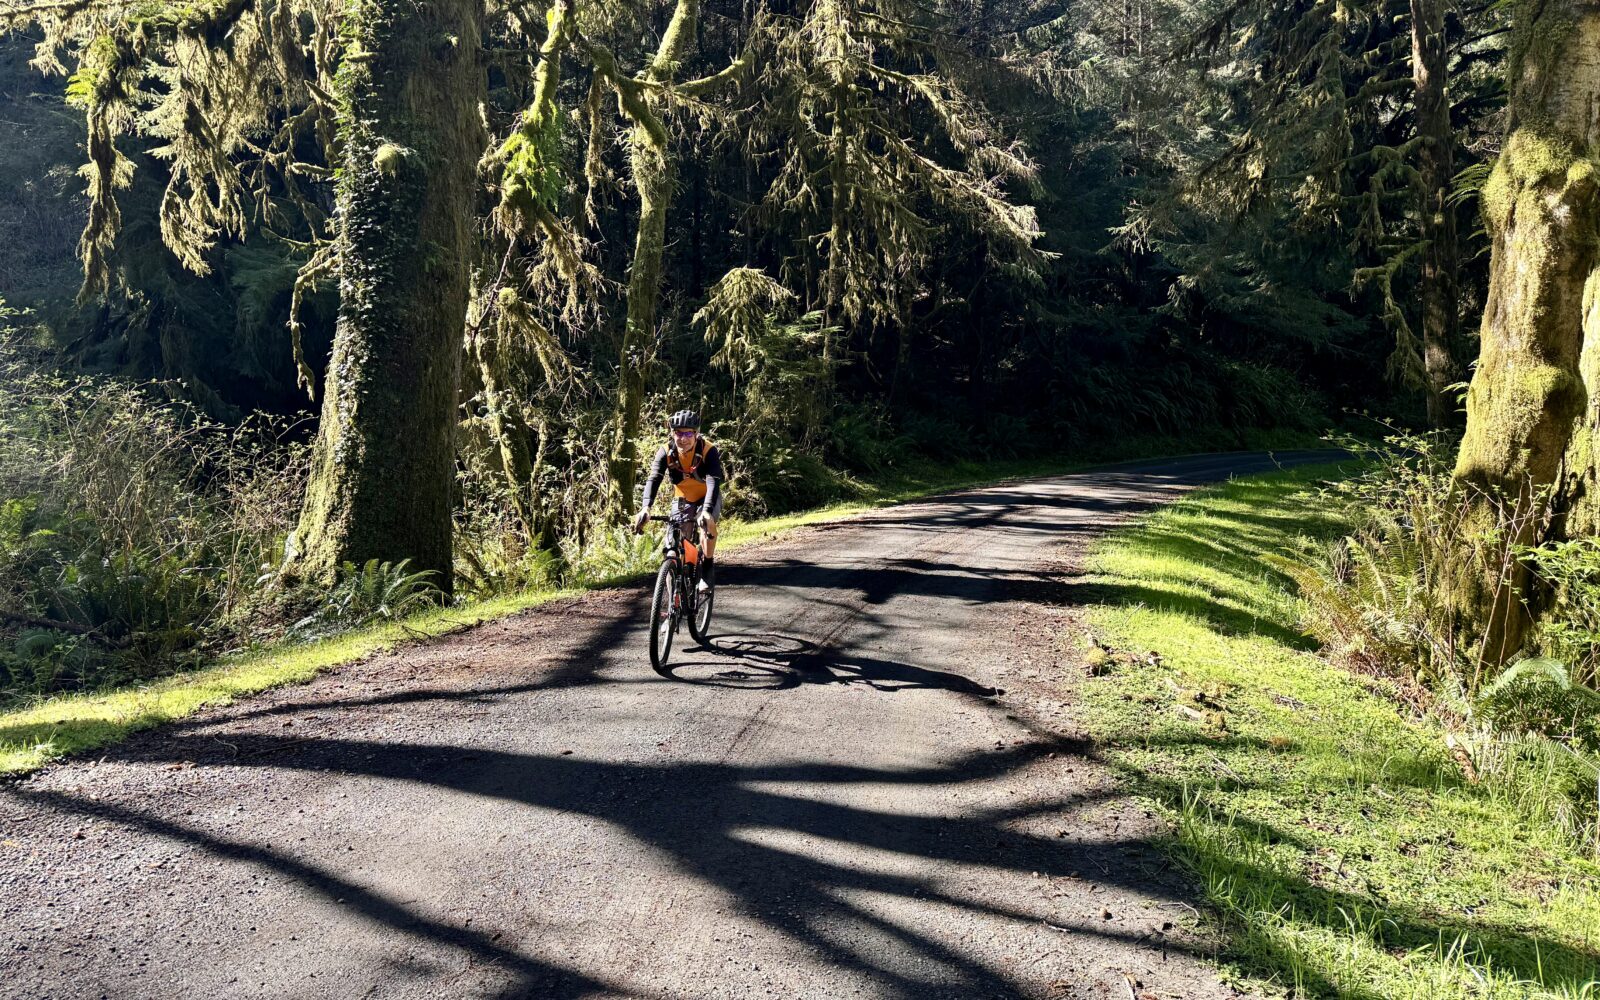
x=49, y=623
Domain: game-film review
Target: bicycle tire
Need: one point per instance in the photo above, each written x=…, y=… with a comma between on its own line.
x=663, y=616
x=700, y=621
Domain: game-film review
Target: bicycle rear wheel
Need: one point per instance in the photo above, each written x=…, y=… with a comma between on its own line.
x=664, y=612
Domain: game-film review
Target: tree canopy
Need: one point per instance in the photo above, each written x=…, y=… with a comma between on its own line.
x=851, y=231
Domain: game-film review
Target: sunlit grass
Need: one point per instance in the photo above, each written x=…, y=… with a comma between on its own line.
x=36, y=735
x=1334, y=835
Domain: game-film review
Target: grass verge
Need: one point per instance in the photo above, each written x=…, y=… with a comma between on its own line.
x=36, y=734
x=1337, y=841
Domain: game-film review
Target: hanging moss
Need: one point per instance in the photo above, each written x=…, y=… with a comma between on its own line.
x=653, y=171
x=389, y=159
x=531, y=179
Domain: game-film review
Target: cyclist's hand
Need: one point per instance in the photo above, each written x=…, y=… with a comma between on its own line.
x=640, y=521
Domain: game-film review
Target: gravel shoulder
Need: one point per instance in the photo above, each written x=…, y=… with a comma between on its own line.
x=870, y=785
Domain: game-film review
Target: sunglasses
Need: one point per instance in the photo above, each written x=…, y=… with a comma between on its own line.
x=684, y=434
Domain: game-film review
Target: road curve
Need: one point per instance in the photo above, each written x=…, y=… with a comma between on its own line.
x=868, y=787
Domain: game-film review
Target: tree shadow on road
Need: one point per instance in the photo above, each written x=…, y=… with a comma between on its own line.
x=892, y=894
x=815, y=867
x=774, y=661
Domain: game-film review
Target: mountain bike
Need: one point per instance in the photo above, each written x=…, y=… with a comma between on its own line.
x=677, y=595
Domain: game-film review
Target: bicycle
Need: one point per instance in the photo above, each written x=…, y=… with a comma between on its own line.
x=677, y=592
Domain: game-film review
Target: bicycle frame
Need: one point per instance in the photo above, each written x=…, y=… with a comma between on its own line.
x=684, y=598
x=673, y=539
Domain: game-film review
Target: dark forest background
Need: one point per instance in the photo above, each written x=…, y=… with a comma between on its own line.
x=1172, y=289
x=860, y=238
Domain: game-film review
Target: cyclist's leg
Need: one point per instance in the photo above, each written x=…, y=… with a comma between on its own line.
x=685, y=519
x=713, y=515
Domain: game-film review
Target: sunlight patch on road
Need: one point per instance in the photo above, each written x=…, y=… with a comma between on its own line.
x=915, y=869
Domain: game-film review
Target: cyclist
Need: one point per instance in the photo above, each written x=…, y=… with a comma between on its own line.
x=695, y=467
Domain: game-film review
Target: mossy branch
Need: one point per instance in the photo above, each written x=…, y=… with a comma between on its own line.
x=706, y=85
x=321, y=263
x=631, y=99
x=530, y=167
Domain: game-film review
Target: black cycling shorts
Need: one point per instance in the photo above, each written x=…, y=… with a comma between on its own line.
x=679, y=504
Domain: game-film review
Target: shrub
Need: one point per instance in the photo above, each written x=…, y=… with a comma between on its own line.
x=1399, y=596
x=1385, y=596
x=1569, y=628
x=933, y=433
x=862, y=439
x=132, y=530
x=1404, y=592
x=610, y=554
x=1537, y=743
x=493, y=551
x=1005, y=436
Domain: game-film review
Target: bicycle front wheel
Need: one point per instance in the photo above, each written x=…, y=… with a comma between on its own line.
x=700, y=621
x=664, y=612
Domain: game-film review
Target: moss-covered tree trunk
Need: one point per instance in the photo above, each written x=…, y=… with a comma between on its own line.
x=1533, y=404
x=1430, y=69
x=653, y=177
x=382, y=467
x=652, y=172
x=509, y=431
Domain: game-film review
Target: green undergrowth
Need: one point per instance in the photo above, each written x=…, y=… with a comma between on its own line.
x=35, y=734
x=1338, y=842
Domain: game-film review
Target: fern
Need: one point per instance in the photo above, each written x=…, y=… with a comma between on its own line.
x=374, y=591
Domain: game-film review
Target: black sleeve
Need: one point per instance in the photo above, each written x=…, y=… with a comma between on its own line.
x=658, y=469
x=711, y=470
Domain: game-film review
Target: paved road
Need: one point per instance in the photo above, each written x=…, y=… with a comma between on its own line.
x=868, y=787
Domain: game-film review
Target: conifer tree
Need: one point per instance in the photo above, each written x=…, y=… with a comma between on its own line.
x=1436, y=222
x=1349, y=119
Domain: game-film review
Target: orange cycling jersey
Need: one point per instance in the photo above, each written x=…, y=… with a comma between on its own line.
x=694, y=474
x=690, y=483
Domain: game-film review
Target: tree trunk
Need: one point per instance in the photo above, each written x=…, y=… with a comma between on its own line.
x=1532, y=407
x=838, y=184
x=653, y=177
x=382, y=468
x=652, y=173
x=1430, y=72
x=509, y=431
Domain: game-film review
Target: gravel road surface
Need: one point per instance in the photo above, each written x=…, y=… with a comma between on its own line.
x=871, y=785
